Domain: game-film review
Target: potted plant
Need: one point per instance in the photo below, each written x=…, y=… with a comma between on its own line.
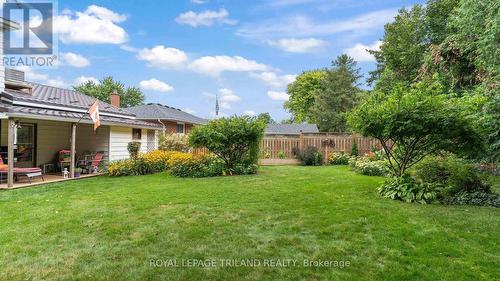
x=78, y=172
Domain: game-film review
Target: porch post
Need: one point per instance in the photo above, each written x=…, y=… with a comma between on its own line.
x=10, y=152
x=73, y=147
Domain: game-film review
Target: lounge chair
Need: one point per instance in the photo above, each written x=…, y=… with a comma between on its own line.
x=29, y=173
x=92, y=166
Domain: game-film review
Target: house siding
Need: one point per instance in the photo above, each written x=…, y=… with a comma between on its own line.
x=51, y=137
x=119, y=137
x=88, y=141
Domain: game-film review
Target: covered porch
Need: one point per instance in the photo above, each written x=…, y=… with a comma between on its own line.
x=37, y=151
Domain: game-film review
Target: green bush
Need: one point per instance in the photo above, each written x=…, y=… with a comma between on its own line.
x=478, y=198
x=365, y=166
x=311, y=156
x=338, y=158
x=133, y=148
x=235, y=140
x=354, y=149
x=453, y=173
x=405, y=188
x=173, y=142
x=281, y=154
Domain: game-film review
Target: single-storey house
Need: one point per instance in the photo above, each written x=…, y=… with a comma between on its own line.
x=37, y=121
x=172, y=120
x=290, y=129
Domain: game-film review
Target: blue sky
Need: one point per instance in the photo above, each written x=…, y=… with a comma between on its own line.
x=182, y=53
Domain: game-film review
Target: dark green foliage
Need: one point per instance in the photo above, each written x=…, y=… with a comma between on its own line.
x=235, y=140
x=451, y=172
x=477, y=198
x=337, y=96
x=311, y=156
x=411, y=123
x=402, y=51
x=130, y=96
x=354, y=149
x=265, y=118
x=405, y=188
x=133, y=148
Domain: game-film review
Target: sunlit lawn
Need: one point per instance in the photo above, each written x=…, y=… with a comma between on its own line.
x=112, y=228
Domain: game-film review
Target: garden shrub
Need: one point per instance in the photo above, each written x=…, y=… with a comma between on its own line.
x=462, y=183
x=173, y=142
x=311, y=156
x=235, y=140
x=338, y=158
x=407, y=189
x=133, y=148
x=281, y=154
x=452, y=172
x=157, y=160
x=354, y=149
x=365, y=166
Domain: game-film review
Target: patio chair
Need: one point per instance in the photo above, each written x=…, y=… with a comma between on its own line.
x=92, y=166
x=29, y=173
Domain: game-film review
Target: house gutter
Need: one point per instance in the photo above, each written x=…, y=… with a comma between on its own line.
x=164, y=127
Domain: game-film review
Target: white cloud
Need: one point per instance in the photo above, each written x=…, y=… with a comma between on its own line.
x=162, y=57
x=215, y=65
x=274, y=80
x=277, y=95
x=129, y=48
x=205, y=18
x=31, y=75
x=82, y=79
x=199, y=1
x=96, y=25
x=227, y=97
x=249, y=112
x=73, y=59
x=105, y=14
x=57, y=82
x=303, y=26
x=293, y=45
x=359, y=51
x=155, y=85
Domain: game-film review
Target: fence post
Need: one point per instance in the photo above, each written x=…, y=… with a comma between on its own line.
x=301, y=142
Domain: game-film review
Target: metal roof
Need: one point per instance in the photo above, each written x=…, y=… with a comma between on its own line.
x=155, y=111
x=52, y=96
x=67, y=116
x=290, y=129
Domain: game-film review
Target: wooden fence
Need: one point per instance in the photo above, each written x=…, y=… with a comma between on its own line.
x=276, y=149
x=283, y=146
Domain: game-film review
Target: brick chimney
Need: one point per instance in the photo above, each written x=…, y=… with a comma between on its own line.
x=115, y=99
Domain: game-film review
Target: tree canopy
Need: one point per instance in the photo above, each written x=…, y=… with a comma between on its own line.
x=302, y=94
x=130, y=96
x=339, y=94
x=413, y=122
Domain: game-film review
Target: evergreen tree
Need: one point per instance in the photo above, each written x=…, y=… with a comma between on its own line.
x=339, y=95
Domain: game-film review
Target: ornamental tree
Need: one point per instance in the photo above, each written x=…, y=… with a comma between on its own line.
x=413, y=122
x=235, y=139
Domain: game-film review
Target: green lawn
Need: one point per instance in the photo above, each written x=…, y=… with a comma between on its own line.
x=112, y=228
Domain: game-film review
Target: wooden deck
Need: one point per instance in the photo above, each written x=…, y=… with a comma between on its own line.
x=48, y=178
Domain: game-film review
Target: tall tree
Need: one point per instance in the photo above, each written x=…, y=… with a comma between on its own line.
x=340, y=93
x=302, y=94
x=403, y=48
x=266, y=118
x=130, y=96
